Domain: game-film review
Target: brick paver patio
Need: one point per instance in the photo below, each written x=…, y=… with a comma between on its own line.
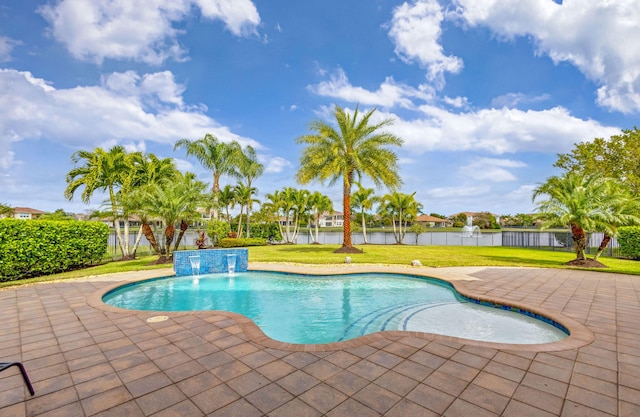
x=86, y=359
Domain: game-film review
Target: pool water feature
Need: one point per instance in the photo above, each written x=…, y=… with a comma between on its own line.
x=323, y=309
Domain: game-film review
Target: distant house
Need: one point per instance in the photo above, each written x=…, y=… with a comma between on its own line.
x=431, y=221
x=26, y=213
x=334, y=219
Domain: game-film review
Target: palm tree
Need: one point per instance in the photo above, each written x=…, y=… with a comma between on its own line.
x=220, y=157
x=623, y=210
x=275, y=205
x=249, y=168
x=174, y=200
x=353, y=150
x=100, y=170
x=147, y=169
x=400, y=208
x=364, y=200
x=227, y=200
x=319, y=203
x=301, y=209
x=577, y=200
x=244, y=197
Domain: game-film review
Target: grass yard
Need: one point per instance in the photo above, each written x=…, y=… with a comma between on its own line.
x=429, y=256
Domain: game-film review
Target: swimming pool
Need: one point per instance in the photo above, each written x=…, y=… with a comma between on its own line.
x=323, y=309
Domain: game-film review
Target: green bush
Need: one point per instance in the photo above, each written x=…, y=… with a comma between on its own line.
x=33, y=248
x=266, y=230
x=242, y=242
x=629, y=240
x=217, y=230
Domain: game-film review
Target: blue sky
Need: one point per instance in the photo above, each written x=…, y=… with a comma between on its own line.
x=485, y=93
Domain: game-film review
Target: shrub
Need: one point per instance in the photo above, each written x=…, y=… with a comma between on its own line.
x=629, y=240
x=242, y=242
x=34, y=248
x=266, y=230
x=217, y=230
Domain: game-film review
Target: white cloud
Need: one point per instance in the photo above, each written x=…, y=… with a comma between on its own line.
x=240, y=16
x=6, y=47
x=388, y=95
x=458, y=102
x=598, y=37
x=156, y=89
x=90, y=116
x=139, y=30
x=496, y=131
x=491, y=169
x=459, y=193
x=273, y=164
x=415, y=30
x=515, y=99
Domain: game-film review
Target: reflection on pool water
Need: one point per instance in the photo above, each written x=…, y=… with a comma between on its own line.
x=322, y=309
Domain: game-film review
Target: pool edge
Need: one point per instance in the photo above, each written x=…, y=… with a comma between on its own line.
x=579, y=336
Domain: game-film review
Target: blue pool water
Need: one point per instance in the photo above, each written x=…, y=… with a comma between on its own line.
x=323, y=309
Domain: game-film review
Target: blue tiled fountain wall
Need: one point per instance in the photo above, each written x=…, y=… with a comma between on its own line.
x=211, y=260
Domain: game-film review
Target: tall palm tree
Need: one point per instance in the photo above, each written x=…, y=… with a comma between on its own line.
x=219, y=157
x=355, y=149
x=577, y=200
x=400, y=208
x=101, y=170
x=364, y=199
x=319, y=203
x=249, y=168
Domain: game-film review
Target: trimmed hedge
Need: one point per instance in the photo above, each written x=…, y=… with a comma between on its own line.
x=30, y=248
x=629, y=240
x=229, y=242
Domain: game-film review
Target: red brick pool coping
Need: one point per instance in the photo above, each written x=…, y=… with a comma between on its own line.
x=579, y=335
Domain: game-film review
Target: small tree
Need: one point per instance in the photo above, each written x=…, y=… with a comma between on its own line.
x=418, y=229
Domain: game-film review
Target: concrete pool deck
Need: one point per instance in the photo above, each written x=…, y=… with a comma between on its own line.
x=85, y=358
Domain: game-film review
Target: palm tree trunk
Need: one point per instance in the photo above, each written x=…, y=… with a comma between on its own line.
x=216, y=191
x=125, y=236
x=364, y=228
x=396, y=234
x=248, y=221
x=136, y=243
x=346, y=210
x=116, y=221
x=184, y=226
x=579, y=240
x=603, y=245
x=296, y=227
x=317, y=227
x=169, y=233
x=240, y=222
x=148, y=233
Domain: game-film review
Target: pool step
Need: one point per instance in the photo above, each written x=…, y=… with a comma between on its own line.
x=388, y=318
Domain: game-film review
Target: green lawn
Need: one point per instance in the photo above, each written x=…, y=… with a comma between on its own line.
x=429, y=256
